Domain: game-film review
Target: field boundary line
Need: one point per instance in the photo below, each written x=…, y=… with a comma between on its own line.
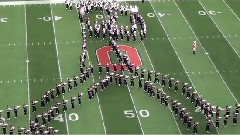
x=226, y=40
x=28, y=84
x=205, y=52
x=6, y=3
x=99, y=106
x=59, y=66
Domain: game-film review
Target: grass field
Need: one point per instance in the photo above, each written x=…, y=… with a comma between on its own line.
x=40, y=45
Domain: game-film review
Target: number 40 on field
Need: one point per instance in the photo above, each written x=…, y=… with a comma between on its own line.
x=71, y=117
x=159, y=14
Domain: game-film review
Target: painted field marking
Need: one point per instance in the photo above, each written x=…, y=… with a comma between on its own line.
x=156, y=38
x=139, y=121
x=27, y=61
x=58, y=62
x=99, y=106
x=230, y=45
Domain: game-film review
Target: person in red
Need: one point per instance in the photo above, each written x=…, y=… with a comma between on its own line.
x=194, y=47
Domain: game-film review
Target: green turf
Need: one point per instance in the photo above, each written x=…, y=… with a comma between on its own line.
x=197, y=65
x=13, y=77
x=42, y=58
x=69, y=50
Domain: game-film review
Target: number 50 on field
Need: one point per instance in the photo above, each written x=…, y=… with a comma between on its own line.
x=131, y=113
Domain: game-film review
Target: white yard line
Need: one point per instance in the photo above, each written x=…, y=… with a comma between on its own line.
x=27, y=60
x=207, y=55
x=231, y=10
x=155, y=70
x=99, y=106
x=229, y=90
x=219, y=29
x=228, y=43
x=177, y=53
x=161, y=88
x=59, y=67
x=140, y=124
x=139, y=121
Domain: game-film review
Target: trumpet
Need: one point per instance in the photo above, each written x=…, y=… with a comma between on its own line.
x=55, y=131
x=35, y=102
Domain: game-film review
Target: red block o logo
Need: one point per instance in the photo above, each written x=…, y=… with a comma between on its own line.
x=103, y=56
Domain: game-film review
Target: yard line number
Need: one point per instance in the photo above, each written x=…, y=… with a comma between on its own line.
x=131, y=114
x=159, y=14
x=210, y=12
x=48, y=18
x=3, y=20
x=71, y=117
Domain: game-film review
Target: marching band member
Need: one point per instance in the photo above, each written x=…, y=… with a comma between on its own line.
x=194, y=47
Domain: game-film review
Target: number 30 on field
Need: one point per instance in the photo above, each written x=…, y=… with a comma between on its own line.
x=71, y=117
x=131, y=114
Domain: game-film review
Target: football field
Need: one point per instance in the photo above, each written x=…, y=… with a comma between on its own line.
x=40, y=45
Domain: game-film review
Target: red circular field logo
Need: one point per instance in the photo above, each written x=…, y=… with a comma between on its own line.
x=104, y=58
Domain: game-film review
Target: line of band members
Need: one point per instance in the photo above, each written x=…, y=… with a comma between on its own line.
x=122, y=80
